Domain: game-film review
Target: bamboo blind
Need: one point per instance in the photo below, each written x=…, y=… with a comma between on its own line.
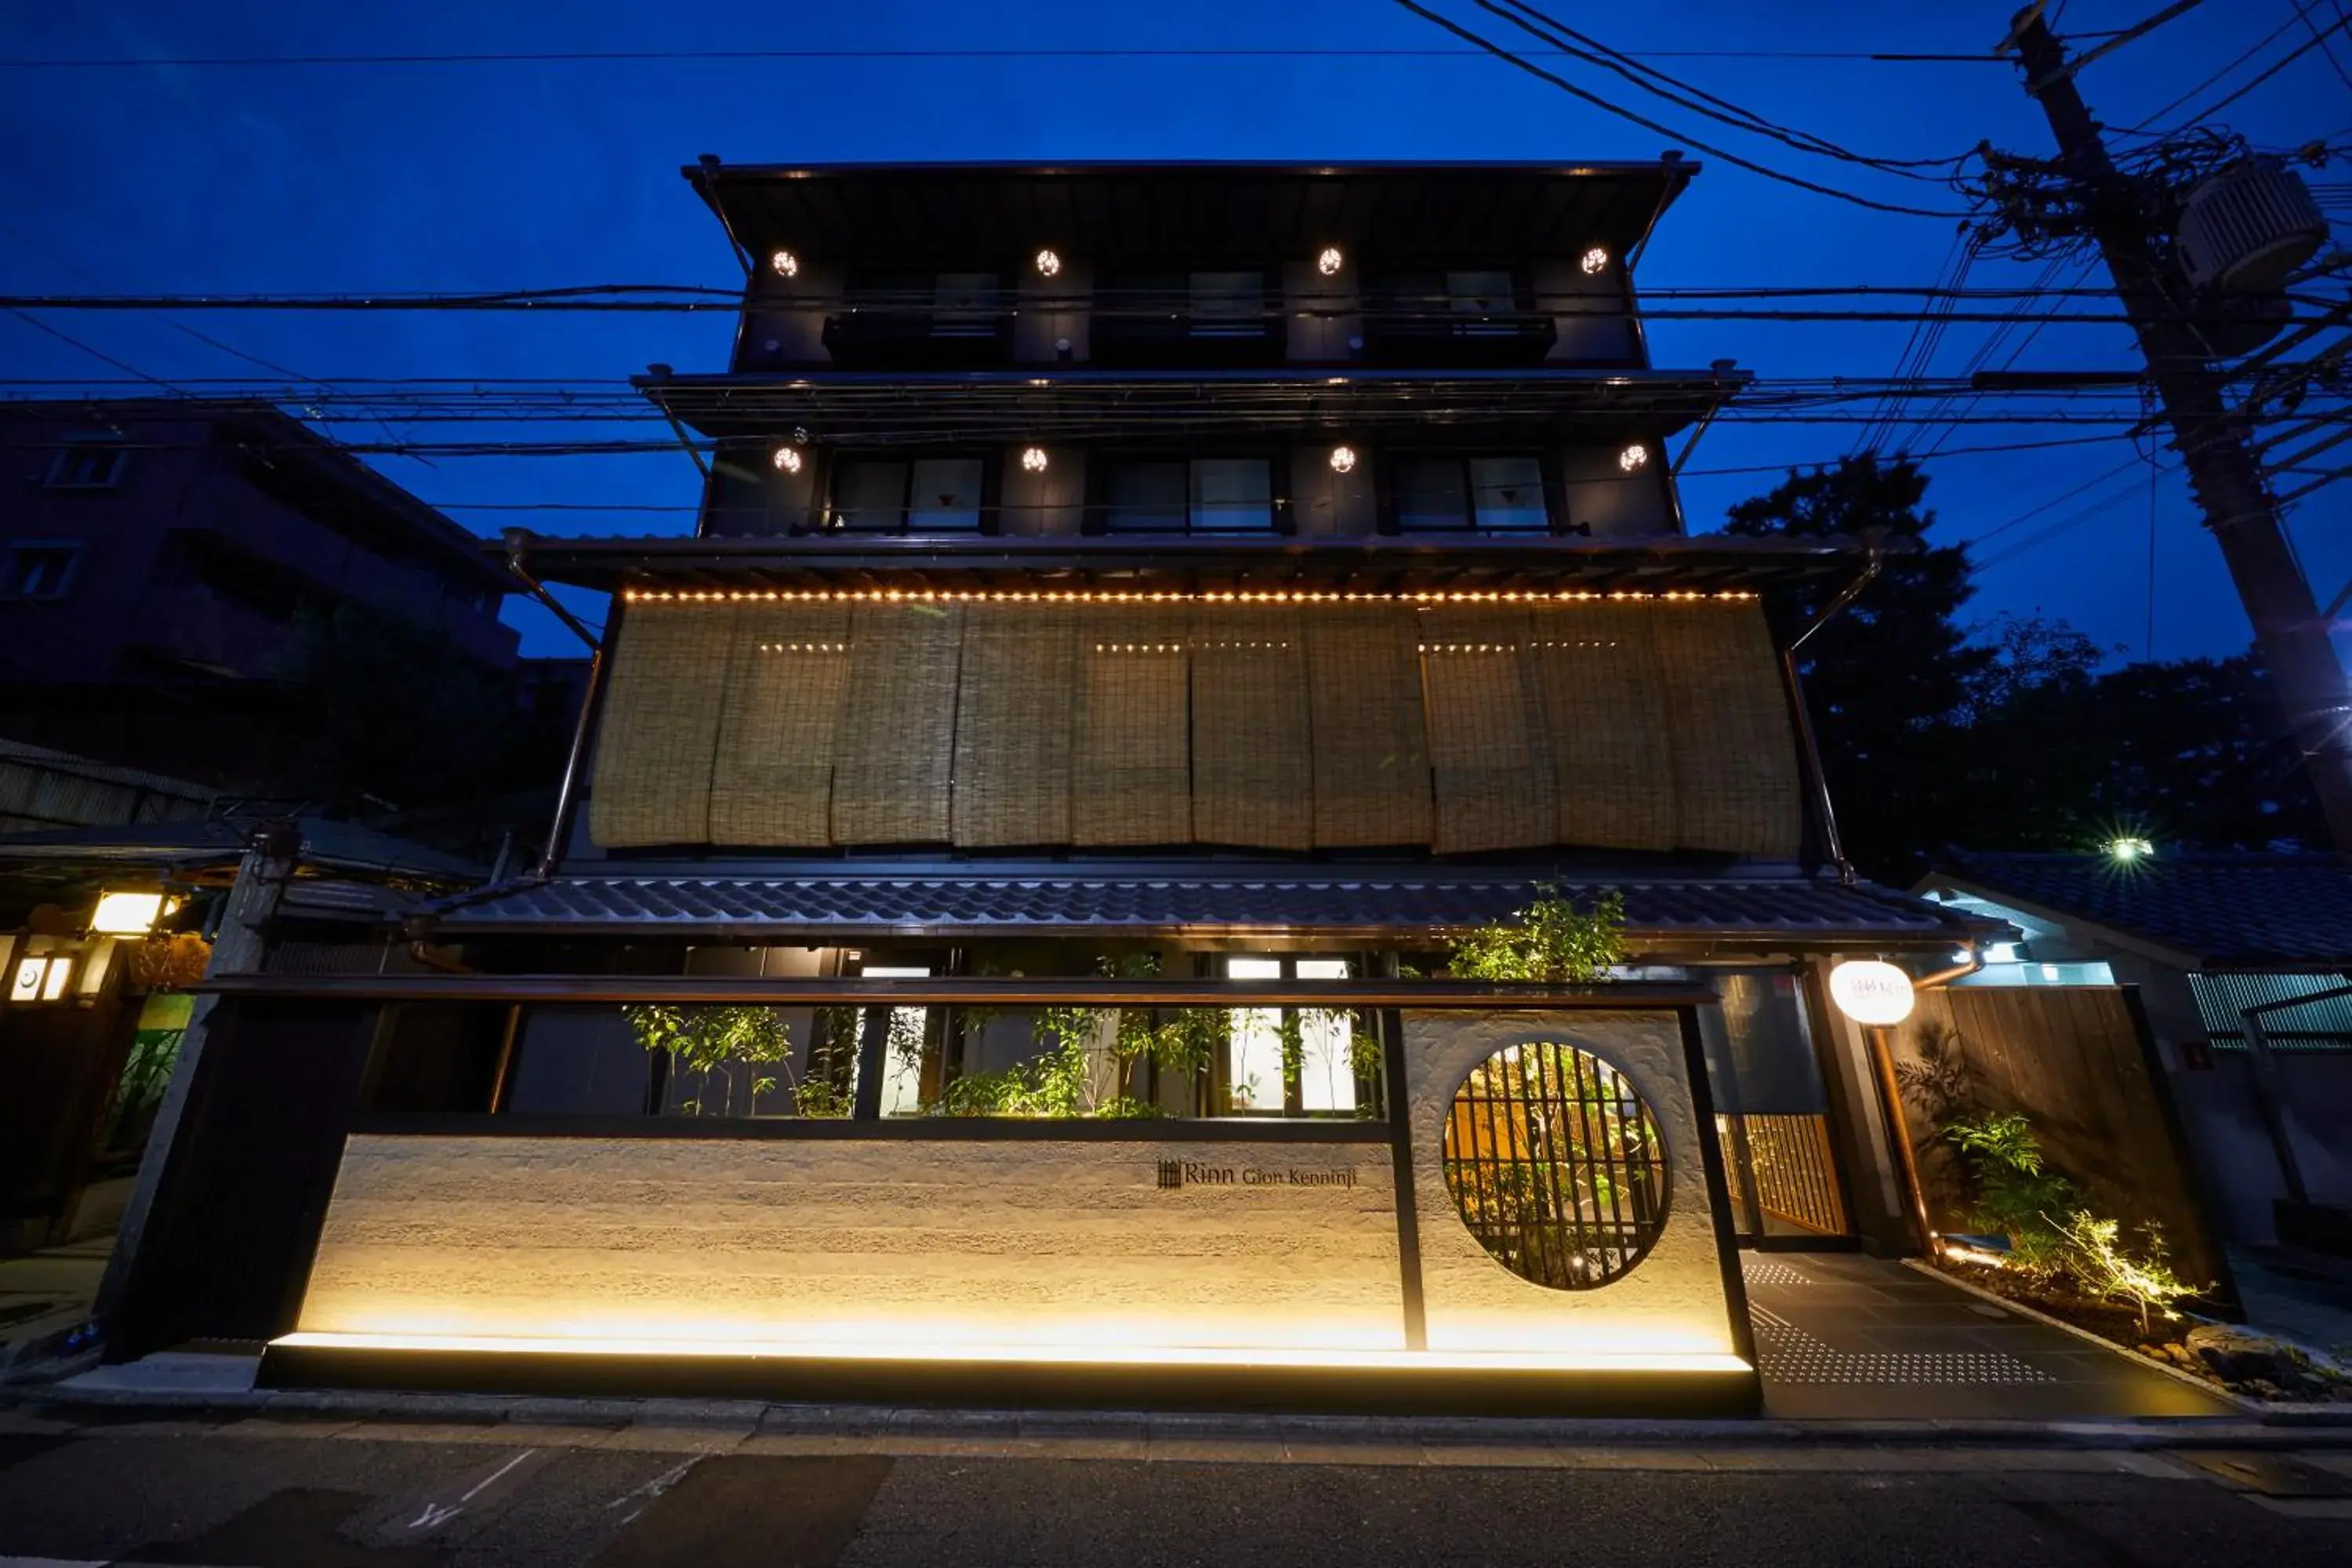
x=1596, y=672
x=1130, y=753
x=1253, y=750
x=1370, y=743
x=1013, y=726
x=771, y=782
x=1658, y=725
x=890, y=778
x=1489, y=758
x=1735, y=764
x=660, y=725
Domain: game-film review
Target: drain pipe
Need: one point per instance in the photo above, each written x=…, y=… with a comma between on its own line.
x=1808, y=746
x=567, y=793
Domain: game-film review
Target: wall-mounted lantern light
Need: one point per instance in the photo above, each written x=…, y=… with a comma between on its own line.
x=788, y=461
x=1594, y=261
x=1871, y=992
x=39, y=979
x=1330, y=261
x=1034, y=459
x=1048, y=264
x=1634, y=459
x=1343, y=458
x=786, y=264
x=126, y=913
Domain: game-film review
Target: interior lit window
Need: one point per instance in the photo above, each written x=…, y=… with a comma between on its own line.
x=902, y=1053
x=1327, y=1071
x=1327, y=1077
x=1254, y=1062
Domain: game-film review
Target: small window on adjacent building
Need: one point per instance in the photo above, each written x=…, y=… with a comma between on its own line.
x=1199, y=495
x=924, y=495
x=1502, y=492
x=88, y=464
x=39, y=571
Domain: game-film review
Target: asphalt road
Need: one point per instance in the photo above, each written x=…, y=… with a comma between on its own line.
x=276, y=1495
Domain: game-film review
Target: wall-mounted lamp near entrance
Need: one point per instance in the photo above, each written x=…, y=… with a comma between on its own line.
x=1034, y=459
x=1343, y=458
x=786, y=264
x=39, y=979
x=1330, y=261
x=1048, y=264
x=1594, y=261
x=788, y=461
x=1870, y=991
x=126, y=913
x=1634, y=459
x=1877, y=995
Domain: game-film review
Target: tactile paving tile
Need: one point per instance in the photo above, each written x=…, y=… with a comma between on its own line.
x=1758, y=1273
x=1785, y=1353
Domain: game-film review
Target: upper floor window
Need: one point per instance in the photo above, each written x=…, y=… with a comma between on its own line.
x=964, y=305
x=1227, y=305
x=1471, y=316
x=1189, y=495
x=1213, y=317
x=38, y=570
x=88, y=464
x=900, y=495
x=1499, y=492
x=897, y=317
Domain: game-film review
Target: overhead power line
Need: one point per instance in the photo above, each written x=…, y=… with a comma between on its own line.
x=1523, y=63
x=1658, y=84
x=730, y=57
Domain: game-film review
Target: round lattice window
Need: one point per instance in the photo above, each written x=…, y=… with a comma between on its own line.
x=1556, y=1165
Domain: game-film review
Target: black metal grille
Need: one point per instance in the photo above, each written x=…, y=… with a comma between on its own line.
x=1556, y=1165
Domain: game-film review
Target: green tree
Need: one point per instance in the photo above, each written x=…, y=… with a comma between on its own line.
x=1891, y=682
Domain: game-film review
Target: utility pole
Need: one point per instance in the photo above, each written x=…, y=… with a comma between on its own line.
x=2212, y=439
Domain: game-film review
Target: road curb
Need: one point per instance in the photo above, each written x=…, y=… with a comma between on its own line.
x=101, y=1410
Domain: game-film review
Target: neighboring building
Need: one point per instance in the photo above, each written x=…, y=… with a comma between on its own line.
x=1142, y=613
x=2203, y=937
x=158, y=557
x=95, y=998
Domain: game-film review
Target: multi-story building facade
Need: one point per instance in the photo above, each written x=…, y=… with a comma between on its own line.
x=1142, y=615
x=157, y=559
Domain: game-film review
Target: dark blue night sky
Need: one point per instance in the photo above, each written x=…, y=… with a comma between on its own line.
x=171, y=178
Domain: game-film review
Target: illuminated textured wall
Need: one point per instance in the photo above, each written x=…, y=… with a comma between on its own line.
x=1674, y=1300
x=913, y=1243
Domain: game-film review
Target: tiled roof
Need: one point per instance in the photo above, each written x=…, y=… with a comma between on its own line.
x=974, y=905
x=2224, y=911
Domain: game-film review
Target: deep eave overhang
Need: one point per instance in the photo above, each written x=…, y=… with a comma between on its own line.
x=1782, y=911
x=1049, y=405
x=1380, y=565
x=1109, y=211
